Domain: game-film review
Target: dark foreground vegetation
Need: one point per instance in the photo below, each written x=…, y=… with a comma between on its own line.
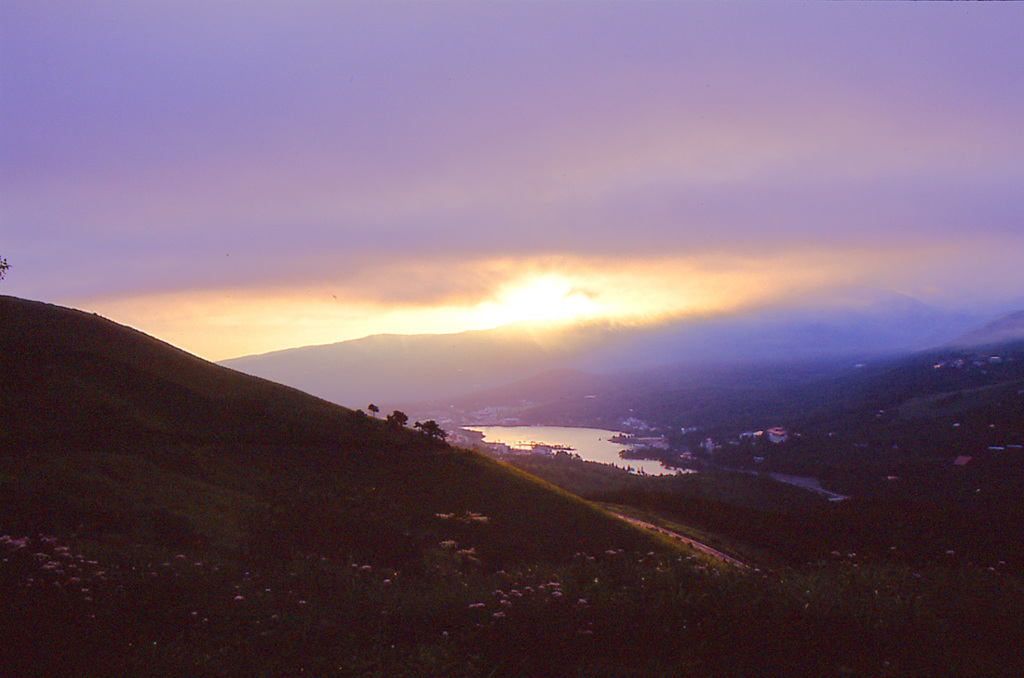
x=103, y=610
x=161, y=516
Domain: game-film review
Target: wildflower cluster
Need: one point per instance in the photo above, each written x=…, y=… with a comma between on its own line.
x=466, y=517
x=40, y=563
x=180, y=611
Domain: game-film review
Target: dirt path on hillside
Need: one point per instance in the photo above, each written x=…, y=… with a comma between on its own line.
x=703, y=548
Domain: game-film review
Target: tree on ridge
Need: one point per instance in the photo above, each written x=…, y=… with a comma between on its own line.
x=398, y=418
x=432, y=429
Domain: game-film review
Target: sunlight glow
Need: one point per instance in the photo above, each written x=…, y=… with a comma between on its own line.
x=543, y=299
x=218, y=323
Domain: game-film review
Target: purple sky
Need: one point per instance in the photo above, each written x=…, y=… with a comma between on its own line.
x=237, y=177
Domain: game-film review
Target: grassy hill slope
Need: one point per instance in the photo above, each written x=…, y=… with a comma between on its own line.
x=99, y=385
x=108, y=431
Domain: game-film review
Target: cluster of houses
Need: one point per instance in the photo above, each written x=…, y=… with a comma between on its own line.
x=474, y=440
x=634, y=424
x=775, y=435
x=646, y=442
x=961, y=363
x=493, y=416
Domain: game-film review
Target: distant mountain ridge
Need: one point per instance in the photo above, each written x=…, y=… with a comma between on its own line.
x=1002, y=330
x=398, y=369
x=392, y=368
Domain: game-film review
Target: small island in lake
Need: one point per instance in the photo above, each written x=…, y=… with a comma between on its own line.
x=668, y=457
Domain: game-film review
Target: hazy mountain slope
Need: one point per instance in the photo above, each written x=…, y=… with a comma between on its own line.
x=108, y=431
x=1000, y=331
x=819, y=392
x=395, y=369
x=864, y=322
x=752, y=395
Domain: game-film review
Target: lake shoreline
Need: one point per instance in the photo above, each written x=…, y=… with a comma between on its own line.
x=589, y=444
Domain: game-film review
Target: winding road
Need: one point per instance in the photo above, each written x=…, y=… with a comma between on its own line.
x=703, y=548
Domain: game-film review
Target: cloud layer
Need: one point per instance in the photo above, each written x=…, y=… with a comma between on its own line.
x=407, y=158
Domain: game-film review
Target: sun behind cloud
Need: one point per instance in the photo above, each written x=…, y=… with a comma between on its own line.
x=545, y=298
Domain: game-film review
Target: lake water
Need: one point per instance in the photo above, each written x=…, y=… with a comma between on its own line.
x=592, y=444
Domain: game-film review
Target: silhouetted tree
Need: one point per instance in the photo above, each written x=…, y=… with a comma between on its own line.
x=373, y=408
x=398, y=418
x=432, y=429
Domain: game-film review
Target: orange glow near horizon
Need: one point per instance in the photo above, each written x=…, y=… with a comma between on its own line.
x=224, y=323
x=456, y=296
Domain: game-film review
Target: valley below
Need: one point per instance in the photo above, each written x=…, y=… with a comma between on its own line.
x=162, y=515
